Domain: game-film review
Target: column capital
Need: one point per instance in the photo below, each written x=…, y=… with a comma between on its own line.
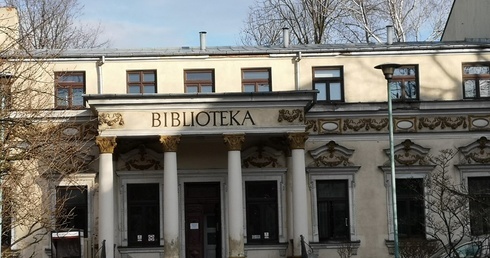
x=170, y=142
x=106, y=144
x=234, y=141
x=297, y=140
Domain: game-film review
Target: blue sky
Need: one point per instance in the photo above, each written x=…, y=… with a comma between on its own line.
x=167, y=23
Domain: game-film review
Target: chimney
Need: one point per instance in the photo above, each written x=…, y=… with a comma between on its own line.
x=389, y=34
x=202, y=37
x=285, y=37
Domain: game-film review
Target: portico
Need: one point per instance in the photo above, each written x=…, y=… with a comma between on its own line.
x=175, y=119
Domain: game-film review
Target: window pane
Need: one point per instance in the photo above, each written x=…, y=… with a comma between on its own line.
x=192, y=89
x=148, y=77
x=134, y=89
x=411, y=89
x=134, y=77
x=404, y=71
x=411, y=216
x=199, y=76
x=77, y=97
x=484, y=88
x=327, y=73
x=322, y=92
x=263, y=88
x=333, y=210
x=477, y=69
x=396, y=89
x=62, y=97
x=253, y=75
x=149, y=89
x=207, y=89
x=332, y=188
x=71, y=78
x=470, y=88
x=262, y=212
x=143, y=214
x=335, y=91
x=249, y=88
x=72, y=200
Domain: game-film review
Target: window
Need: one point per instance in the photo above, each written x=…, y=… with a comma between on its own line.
x=72, y=207
x=410, y=207
x=333, y=209
x=256, y=80
x=329, y=83
x=143, y=204
x=479, y=190
x=199, y=81
x=262, y=212
x=142, y=81
x=404, y=85
x=69, y=89
x=476, y=81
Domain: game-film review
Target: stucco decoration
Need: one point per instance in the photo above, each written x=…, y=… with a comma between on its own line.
x=311, y=125
x=477, y=152
x=290, y=115
x=262, y=157
x=234, y=141
x=110, y=119
x=444, y=122
x=366, y=124
x=141, y=158
x=331, y=155
x=328, y=126
x=408, y=153
x=479, y=123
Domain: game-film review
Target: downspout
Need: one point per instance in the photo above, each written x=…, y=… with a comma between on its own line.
x=297, y=69
x=100, y=81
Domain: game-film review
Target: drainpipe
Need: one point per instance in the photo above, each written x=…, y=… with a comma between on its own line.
x=297, y=69
x=100, y=82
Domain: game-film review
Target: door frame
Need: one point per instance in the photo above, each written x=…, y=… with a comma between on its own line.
x=204, y=176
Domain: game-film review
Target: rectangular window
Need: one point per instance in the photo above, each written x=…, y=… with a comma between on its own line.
x=329, y=83
x=142, y=81
x=143, y=214
x=476, y=81
x=69, y=89
x=262, y=212
x=479, y=190
x=199, y=81
x=404, y=85
x=333, y=210
x=410, y=207
x=72, y=208
x=256, y=80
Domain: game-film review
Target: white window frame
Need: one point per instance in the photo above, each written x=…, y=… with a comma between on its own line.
x=268, y=174
x=334, y=173
x=414, y=172
x=136, y=177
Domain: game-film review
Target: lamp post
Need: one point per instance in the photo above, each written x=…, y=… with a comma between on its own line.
x=5, y=80
x=388, y=70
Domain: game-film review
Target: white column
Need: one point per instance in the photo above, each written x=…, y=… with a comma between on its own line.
x=170, y=198
x=300, y=207
x=235, y=196
x=106, y=228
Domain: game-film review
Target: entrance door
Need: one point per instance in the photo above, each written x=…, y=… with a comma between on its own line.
x=202, y=220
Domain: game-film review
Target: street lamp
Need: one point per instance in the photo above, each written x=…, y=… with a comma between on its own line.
x=388, y=70
x=5, y=80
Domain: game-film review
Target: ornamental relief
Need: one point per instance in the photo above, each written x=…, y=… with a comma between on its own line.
x=477, y=152
x=290, y=115
x=262, y=157
x=141, y=158
x=365, y=124
x=110, y=119
x=408, y=153
x=431, y=123
x=331, y=155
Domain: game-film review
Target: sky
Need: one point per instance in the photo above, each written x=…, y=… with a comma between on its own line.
x=167, y=23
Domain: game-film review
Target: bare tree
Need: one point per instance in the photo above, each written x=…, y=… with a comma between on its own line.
x=52, y=24
x=39, y=145
x=355, y=21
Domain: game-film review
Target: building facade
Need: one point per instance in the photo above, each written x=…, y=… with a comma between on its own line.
x=247, y=151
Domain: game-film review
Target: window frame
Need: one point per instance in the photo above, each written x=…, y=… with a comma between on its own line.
x=404, y=79
x=278, y=175
x=331, y=227
x=410, y=199
x=476, y=78
x=84, y=191
x=199, y=83
x=485, y=230
x=334, y=173
x=249, y=201
x=70, y=86
x=328, y=81
x=472, y=171
x=141, y=83
x=256, y=82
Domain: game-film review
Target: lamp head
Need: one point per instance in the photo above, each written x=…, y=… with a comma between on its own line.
x=388, y=69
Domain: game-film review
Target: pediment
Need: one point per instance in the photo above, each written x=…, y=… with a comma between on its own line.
x=140, y=158
x=261, y=156
x=409, y=153
x=331, y=155
x=477, y=152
